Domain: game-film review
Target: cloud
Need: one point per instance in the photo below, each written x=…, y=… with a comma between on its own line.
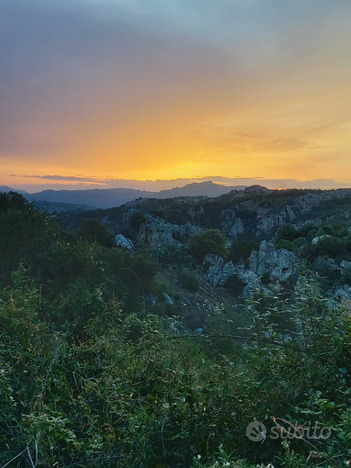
x=60, y=178
x=283, y=144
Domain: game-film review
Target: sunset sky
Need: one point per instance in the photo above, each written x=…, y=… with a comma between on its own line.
x=95, y=91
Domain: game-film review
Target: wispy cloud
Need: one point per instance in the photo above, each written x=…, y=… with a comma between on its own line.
x=65, y=178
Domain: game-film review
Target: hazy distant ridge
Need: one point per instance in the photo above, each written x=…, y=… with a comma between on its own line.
x=109, y=198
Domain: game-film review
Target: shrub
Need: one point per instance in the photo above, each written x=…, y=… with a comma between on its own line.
x=284, y=244
x=241, y=250
x=93, y=230
x=331, y=246
x=188, y=280
x=158, y=213
x=287, y=232
x=208, y=241
x=137, y=219
x=235, y=286
x=175, y=255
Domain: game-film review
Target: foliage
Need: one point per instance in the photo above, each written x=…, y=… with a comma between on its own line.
x=241, y=250
x=89, y=378
x=188, y=280
x=174, y=255
x=93, y=230
x=208, y=241
x=138, y=218
x=287, y=232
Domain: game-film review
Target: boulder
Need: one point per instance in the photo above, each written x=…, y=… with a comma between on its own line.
x=281, y=265
x=123, y=242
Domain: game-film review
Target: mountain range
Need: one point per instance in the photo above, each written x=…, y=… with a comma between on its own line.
x=109, y=198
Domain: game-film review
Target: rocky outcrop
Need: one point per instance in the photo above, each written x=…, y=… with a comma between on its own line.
x=290, y=213
x=236, y=229
x=123, y=242
x=157, y=233
x=184, y=231
x=269, y=224
x=309, y=201
x=249, y=279
x=217, y=271
x=281, y=265
x=232, y=226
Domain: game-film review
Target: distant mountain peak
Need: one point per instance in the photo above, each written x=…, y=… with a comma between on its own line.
x=5, y=189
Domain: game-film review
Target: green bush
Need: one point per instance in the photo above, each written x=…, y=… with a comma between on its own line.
x=331, y=246
x=286, y=232
x=174, y=255
x=188, y=280
x=284, y=244
x=241, y=250
x=208, y=241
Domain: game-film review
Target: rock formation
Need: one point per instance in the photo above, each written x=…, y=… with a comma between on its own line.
x=123, y=242
x=281, y=265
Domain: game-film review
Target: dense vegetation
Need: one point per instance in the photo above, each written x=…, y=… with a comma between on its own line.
x=94, y=373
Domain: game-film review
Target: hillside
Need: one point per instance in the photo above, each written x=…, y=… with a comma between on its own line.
x=155, y=334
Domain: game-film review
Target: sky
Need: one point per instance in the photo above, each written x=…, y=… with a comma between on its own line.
x=107, y=93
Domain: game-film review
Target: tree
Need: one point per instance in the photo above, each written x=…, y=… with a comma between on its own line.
x=208, y=241
x=13, y=200
x=286, y=232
